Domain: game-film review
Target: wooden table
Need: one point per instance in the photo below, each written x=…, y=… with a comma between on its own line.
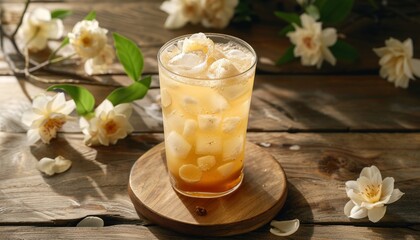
x=342, y=118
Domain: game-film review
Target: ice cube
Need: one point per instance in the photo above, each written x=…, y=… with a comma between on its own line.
x=177, y=146
x=190, y=173
x=217, y=103
x=241, y=58
x=190, y=104
x=232, y=148
x=226, y=169
x=208, y=122
x=165, y=97
x=234, y=91
x=222, y=68
x=188, y=63
x=170, y=53
x=206, y=163
x=208, y=144
x=198, y=42
x=190, y=127
x=174, y=122
x=230, y=123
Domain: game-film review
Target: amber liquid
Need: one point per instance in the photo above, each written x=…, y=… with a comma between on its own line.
x=222, y=137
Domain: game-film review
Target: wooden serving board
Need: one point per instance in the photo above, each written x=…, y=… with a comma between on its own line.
x=259, y=198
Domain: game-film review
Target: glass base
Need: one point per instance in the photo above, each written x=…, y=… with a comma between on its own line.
x=209, y=194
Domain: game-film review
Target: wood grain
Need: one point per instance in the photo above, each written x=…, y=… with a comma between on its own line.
x=153, y=232
x=253, y=204
x=97, y=182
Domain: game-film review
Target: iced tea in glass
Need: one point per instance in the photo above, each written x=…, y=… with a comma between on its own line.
x=206, y=83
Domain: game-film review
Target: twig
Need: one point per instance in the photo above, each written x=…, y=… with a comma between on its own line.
x=402, y=15
x=46, y=63
x=21, y=19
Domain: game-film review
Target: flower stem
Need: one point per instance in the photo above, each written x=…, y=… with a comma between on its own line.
x=51, y=61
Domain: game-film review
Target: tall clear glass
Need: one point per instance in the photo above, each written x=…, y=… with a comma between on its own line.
x=205, y=104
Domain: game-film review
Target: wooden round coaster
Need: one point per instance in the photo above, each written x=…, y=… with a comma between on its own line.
x=259, y=198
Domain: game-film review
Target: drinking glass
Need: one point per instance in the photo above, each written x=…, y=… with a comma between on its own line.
x=206, y=89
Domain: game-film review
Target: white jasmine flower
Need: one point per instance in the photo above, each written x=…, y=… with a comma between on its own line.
x=101, y=62
x=181, y=12
x=397, y=62
x=108, y=125
x=37, y=27
x=369, y=194
x=51, y=166
x=218, y=13
x=47, y=115
x=311, y=42
x=88, y=39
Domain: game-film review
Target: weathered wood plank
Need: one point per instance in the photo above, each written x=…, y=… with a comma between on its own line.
x=279, y=103
x=154, y=232
x=97, y=182
x=143, y=22
x=333, y=103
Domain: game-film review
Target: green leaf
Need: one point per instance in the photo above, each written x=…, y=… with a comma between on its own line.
x=136, y=90
x=288, y=56
x=60, y=13
x=286, y=30
x=129, y=56
x=334, y=11
x=344, y=51
x=91, y=16
x=288, y=17
x=85, y=102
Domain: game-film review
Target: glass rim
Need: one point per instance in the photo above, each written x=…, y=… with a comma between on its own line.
x=226, y=36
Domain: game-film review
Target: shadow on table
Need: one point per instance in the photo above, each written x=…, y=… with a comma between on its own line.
x=99, y=173
x=297, y=206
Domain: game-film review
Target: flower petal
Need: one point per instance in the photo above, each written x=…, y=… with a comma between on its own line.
x=57, y=102
x=91, y=221
x=329, y=36
x=348, y=207
x=55, y=29
x=38, y=43
x=369, y=205
x=175, y=21
x=46, y=166
x=284, y=228
x=375, y=214
x=105, y=107
x=415, y=66
x=358, y=212
x=395, y=196
x=328, y=56
x=355, y=197
x=125, y=109
x=387, y=186
x=352, y=185
x=169, y=7
x=408, y=48
x=61, y=164
x=306, y=20
x=380, y=51
x=33, y=136
x=370, y=172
